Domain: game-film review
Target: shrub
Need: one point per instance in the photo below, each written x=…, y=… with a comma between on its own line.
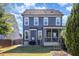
x=72, y=31
x=32, y=42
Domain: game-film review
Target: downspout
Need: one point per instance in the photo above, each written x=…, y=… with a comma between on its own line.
x=23, y=29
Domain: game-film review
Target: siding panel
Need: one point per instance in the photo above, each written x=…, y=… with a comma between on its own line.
x=31, y=21
x=41, y=21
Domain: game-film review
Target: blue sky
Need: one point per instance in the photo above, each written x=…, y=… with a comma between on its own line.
x=18, y=8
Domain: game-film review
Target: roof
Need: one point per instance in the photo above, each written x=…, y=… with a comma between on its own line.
x=41, y=11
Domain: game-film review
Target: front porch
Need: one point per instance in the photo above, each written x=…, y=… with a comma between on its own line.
x=51, y=36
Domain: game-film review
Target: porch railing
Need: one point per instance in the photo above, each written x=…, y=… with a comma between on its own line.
x=48, y=39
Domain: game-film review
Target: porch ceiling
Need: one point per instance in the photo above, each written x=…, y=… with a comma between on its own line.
x=52, y=27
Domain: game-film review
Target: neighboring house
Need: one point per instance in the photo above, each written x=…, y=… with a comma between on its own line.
x=14, y=35
x=42, y=26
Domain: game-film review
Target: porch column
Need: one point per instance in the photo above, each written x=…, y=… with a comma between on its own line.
x=51, y=34
x=58, y=35
x=43, y=35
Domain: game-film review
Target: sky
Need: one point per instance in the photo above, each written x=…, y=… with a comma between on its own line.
x=18, y=8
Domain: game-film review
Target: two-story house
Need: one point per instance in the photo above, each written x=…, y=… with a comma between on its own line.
x=42, y=26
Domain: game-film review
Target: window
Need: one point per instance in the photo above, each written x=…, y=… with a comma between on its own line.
x=26, y=21
x=54, y=34
x=49, y=33
x=36, y=21
x=58, y=21
x=45, y=22
x=26, y=35
x=39, y=34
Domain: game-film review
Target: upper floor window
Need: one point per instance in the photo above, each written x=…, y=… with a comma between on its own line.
x=26, y=21
x=45, y=22
x=36, y=21
x=58, y=21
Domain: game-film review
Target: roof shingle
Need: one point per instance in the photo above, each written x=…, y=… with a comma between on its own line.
x=41, y=11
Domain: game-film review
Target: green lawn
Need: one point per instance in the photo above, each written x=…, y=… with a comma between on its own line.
x=34, y=51
x=31, y=49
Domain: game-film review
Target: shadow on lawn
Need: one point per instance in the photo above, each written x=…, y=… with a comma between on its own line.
x=32, y=49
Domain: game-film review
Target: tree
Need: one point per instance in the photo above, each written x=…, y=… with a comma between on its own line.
x=5, y=26
x=72, y=31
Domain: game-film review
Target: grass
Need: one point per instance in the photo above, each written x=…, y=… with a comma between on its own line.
x=4, y=49
x=31, y=49
x=34, y=51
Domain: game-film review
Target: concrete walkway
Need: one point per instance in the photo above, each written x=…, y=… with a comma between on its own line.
x=59, y=53
x=8, y=48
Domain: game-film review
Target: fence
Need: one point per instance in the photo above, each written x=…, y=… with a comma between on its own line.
x=7, y=42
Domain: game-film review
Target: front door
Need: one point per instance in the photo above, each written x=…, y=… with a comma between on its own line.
x=33, y=35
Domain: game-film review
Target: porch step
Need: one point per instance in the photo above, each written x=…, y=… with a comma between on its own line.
x=26, y=43
x=51, y=44
x=55, y=45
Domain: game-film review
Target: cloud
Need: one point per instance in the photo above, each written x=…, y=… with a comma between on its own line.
x=20, y=9
x=23, y=7
x=62, y=4
x=64, y=20
x=40, y=7
x=29, y=4
x=69, y=8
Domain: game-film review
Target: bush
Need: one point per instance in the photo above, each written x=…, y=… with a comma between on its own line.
x=32, y=42
x=72, y=31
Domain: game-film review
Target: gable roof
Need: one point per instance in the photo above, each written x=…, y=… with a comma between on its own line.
x=41, y=11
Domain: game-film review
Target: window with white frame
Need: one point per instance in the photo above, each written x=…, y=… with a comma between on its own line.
x=26, y=21
x=36, y=21
x=39, y=34
x=45, y=22
x=58, y=21
x=26, y=35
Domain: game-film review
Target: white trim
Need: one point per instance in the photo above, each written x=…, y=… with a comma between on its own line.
x=32, y=29
x=40, y=33
x=53, y=27
x=45, y=20
x=58, y=21
x=26, y=19
x=36, y=20
x=25, y=34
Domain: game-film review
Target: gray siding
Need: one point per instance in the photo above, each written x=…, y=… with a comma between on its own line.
x=51, y=21
x=40, y=21
x=26, y=27
x=31, y=21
